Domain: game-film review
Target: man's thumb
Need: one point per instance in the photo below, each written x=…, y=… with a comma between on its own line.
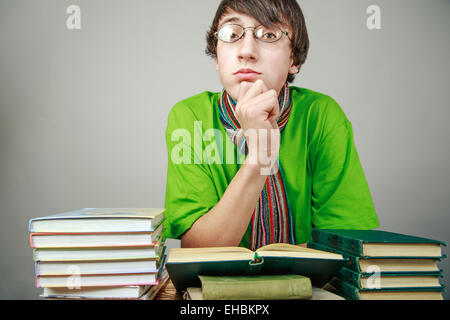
x=244, y=87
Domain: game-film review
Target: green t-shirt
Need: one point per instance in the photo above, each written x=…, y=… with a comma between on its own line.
x=324, y=180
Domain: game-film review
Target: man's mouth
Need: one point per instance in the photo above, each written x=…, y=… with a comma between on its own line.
x=246, y=74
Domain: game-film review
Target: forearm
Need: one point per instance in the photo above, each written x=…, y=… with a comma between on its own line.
x=226, y=223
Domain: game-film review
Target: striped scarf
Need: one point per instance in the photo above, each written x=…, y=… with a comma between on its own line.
x=271, y=221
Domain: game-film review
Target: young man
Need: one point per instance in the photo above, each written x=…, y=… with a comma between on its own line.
x=293, y=163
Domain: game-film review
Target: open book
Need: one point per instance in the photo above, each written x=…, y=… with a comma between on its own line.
x=185, y=264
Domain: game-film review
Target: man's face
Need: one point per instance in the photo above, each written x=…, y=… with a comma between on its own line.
x=271, y=62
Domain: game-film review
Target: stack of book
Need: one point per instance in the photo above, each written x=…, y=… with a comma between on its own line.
x=99, y=253
x=383, y=265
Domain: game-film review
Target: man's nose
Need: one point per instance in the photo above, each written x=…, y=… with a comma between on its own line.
x=248, y=46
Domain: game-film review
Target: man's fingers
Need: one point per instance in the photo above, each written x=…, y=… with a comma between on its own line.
x=244, y=87
x=268, y=102
x=249, y=90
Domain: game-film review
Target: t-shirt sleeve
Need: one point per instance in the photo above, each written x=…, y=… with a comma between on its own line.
x=190, y=191
x=341, y=198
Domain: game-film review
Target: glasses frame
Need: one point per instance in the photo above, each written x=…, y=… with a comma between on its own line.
x=216, y=34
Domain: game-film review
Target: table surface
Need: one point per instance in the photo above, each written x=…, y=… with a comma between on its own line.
x=168, y=292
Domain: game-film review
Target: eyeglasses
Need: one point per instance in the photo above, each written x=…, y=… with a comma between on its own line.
x=234, y=32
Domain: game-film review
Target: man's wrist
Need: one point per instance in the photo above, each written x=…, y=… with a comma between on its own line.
x=263, y=169
x=254, y=168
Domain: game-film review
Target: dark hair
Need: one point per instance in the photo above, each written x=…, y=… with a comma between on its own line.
x=268, y=13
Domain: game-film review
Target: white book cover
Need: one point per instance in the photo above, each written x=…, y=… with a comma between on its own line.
x=95, y=240
x=99, y=220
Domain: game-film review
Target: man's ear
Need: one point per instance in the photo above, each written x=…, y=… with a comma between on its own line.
x=295, y=66
x=294, y=69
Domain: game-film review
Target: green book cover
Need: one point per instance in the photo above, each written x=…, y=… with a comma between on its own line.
x=365, y=243
x=356, y=263
x=390, y=279
x=257, y=287
x=350, y=292
x=184, y=265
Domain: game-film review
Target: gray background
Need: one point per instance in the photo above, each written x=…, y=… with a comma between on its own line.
x=83, y=113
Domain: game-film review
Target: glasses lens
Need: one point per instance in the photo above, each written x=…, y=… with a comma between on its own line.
x=268, y=34
x=230, y=33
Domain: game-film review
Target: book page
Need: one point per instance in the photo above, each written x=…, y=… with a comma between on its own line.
x=87, y=213
x=290, y=250
x=209, y=254
x=283, y=247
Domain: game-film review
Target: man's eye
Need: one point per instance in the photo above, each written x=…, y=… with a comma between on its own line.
x=269, y=35
x=234, y=35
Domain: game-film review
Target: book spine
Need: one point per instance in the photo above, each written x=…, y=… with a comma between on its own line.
x=31, y=241
x=353, y=264
x=349, y=245
x=351, y=277
x=347, y=290
x=162, y=265
x=155, y=223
